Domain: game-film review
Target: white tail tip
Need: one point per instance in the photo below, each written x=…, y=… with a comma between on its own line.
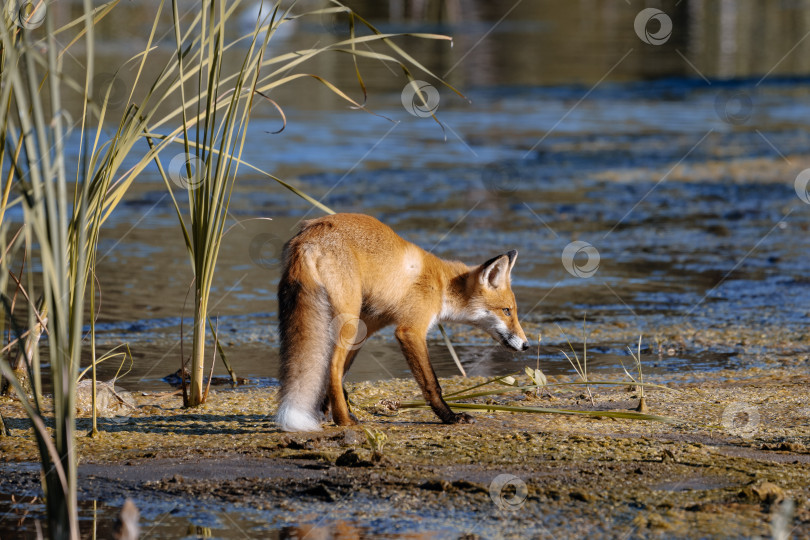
x=289, y=418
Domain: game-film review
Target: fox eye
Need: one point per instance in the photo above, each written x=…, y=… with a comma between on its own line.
x=507, y=312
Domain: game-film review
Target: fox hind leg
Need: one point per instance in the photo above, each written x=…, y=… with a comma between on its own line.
x=326, y=397
x=349, y=332
x=353, y=337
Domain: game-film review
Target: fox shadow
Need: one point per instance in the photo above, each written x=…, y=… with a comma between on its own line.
x=180, y=424
x=186, y=424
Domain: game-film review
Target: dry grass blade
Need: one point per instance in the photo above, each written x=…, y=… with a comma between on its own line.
x=221, y=351
x=452, y=351
x=629, y=415
x=110, y=355
x=642, y=401
x=511, y=388
x=580, y=368
x=511, y=385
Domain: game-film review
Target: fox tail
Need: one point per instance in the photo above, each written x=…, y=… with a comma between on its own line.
x=305, y=354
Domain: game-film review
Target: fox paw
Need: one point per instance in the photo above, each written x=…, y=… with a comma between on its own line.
x=460, y=418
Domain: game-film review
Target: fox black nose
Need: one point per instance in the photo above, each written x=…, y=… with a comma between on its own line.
x=525, y=345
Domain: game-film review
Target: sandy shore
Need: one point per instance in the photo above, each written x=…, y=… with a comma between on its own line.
x=736, y=458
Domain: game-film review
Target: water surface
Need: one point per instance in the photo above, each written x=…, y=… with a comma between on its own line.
x=676, y=163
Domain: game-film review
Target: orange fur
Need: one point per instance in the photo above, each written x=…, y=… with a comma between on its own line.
x=348, y=271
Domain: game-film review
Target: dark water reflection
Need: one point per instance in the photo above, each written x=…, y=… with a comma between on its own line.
x=542, y=42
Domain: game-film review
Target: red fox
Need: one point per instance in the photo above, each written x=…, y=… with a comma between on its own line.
x=348, y=268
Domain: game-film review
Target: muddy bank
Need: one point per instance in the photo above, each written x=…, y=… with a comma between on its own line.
x=738, y=449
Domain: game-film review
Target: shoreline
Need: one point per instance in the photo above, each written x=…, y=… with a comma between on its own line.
x=714, y=472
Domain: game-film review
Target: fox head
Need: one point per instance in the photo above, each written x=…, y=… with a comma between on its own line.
x=492, y=303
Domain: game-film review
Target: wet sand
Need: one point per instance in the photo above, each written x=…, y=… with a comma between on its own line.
x=738, y=449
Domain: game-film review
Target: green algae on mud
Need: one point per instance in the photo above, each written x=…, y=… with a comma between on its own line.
x=741, y=447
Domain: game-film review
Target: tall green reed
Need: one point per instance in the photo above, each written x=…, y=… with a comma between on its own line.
x=31, y=84
x=213, y=141
x=62, y=229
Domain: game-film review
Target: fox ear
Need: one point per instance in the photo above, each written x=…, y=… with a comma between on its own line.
x=495, y=272
x=512, y=258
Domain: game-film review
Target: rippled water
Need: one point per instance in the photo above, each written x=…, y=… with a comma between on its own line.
x=676, y=163
x=695, y=221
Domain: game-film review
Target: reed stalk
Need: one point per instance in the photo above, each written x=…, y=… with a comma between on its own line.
x=214, y=118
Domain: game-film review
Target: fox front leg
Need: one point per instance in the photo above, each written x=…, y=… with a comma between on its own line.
x=414, y=347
